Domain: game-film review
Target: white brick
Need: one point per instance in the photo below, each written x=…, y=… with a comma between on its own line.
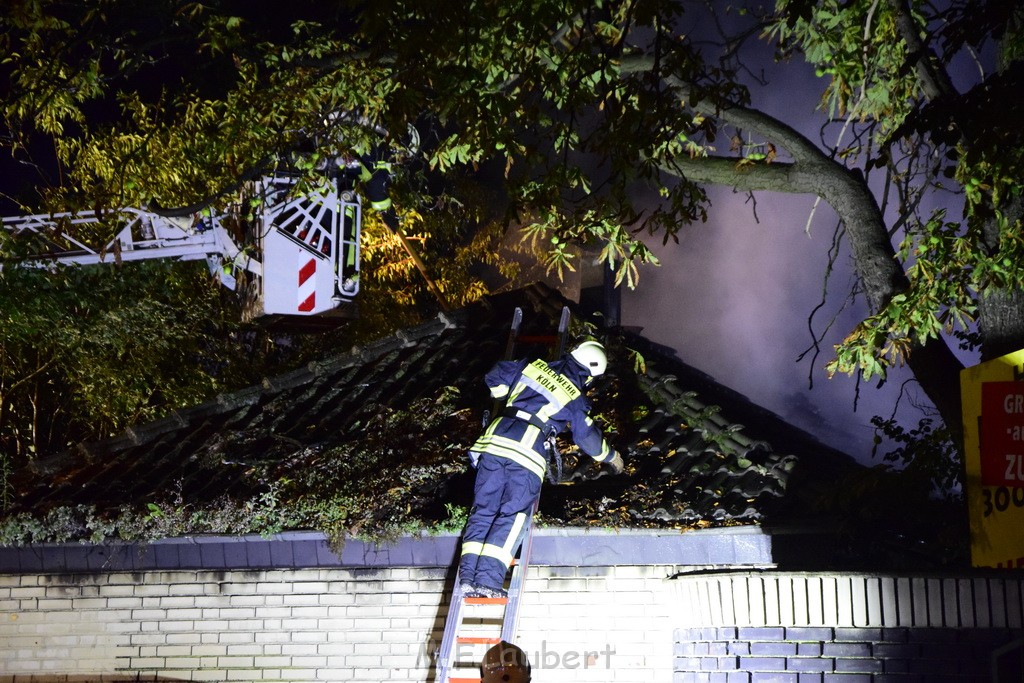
x=234, y=675
x=190, y=588
x=303, y=637
x=106, y=616
x=240, y=662
x=335, y=624
x=311, y=663
x=330, y=599
x=146, y=662
x=362, y=660
x=54, y=604
x=243, y=601
x=299, y=649
x=264, y=662
x=295, y=675
x=115, y=591
x=188, y=614
x=270, y=633
x=245, y=625
x=126, y=603
x=169, y=625
x=335, y=672
x=313, y=587
x=210, y=624
x=141, y=639
x=204, y=674
x=144, y=614
x=59, y=591
x=336, y=649
x=212, y=601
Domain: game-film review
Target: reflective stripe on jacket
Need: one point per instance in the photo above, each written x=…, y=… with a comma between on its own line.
x=550, y=392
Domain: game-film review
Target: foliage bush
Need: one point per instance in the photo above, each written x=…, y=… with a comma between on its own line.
x=394, y=480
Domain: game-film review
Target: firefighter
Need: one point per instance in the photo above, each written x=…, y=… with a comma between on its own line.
x=511, y=456
x=375, y=171
x=505, y=663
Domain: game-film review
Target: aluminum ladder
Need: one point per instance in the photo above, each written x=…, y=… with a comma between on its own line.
x=451, y=667
x=470, y=627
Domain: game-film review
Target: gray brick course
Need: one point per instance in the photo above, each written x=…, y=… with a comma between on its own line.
x=810, y=678
x=762, y=633
x=809, y=633
x=869, y=635
x=858, y=665
x=852, y=654
x=846, y=649
x=762, y=664
x=808, y=649
x=773, y=649
x=811, y=664
x=774, y=677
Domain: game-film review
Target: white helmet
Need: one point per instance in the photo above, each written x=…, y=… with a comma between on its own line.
x=590, y=354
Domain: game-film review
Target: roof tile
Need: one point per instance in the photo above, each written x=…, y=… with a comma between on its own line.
x=697, y=453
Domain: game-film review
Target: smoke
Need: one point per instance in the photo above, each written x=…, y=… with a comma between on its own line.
x=733, y=299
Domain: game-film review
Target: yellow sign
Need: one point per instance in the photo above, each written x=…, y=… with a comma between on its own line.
x=993, y=452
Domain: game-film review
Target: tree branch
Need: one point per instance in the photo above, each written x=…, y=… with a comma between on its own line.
x=934, y=80
x=934, y=364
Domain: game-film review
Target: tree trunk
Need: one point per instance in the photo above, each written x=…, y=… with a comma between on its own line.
x=1001, y=322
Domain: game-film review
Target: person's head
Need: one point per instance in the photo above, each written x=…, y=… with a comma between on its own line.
x=591, y=355
x=505, y=663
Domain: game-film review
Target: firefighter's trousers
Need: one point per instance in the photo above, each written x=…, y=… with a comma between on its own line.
x=503, y=500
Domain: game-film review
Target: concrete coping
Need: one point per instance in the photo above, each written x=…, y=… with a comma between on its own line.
x=739, y=547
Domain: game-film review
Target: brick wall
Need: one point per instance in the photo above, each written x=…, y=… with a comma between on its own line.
x=599, y=607
x=799, y=628
x=577, y=624
x=289, y=608
x=817, y=654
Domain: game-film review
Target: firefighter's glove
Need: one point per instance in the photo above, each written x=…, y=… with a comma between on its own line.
x=617, y=464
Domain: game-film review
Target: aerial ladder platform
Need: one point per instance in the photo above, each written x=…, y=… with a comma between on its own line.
x=301, y=254
x=475, y=624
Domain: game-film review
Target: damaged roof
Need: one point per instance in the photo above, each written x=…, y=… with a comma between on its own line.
x=373, y=441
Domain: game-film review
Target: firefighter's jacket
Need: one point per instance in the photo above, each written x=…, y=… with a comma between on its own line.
x=541, y=399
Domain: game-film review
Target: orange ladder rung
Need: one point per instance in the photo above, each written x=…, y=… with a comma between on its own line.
x=464, y=680
x=477, y=640
x=486, y=601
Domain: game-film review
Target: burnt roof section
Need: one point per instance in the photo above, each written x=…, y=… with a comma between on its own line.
x=697, y=453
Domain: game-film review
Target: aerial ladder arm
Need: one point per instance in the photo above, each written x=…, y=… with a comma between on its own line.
x=304, y=252
x=143, y=235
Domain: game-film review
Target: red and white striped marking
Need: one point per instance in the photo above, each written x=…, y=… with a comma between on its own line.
x=307, y=283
